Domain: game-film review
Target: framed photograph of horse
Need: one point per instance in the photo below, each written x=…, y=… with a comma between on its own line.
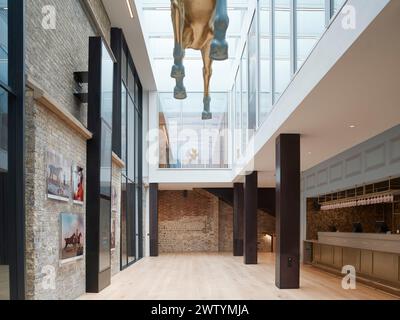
x=58, y=177
x=72, y=237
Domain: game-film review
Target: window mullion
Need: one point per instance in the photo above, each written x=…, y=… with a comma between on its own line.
x=272, y=51
x=293, y=33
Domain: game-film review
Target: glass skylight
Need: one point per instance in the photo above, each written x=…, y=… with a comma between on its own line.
x=159, y=37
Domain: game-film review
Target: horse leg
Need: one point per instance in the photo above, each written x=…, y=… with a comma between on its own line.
x=207, y=73
x=219, y=46
x=178, y=70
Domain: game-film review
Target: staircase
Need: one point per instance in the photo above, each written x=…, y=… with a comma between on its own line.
x=266, y=198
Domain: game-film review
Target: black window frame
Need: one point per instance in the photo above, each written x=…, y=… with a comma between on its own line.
x=98, y=278
x=15, y=176
x=125, y=72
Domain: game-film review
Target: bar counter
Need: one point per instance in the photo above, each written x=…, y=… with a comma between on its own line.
x=376, y=257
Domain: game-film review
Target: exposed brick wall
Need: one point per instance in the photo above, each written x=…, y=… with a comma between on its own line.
x=188, y=224
x=100, y=16
x=343, y=219
x=46, y=131
x=225, y=242
x=52, y=56
x=266, y=224
x=200, y=222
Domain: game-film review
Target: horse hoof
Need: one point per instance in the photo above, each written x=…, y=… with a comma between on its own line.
x=178, y=72
x=206, y=115
x=219, y=50
x=180, y=93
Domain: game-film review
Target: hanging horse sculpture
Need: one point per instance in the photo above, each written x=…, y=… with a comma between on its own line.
x=199, y=25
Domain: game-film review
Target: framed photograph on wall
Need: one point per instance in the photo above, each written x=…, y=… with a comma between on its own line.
x=72, y=240
x=78, y=179
x=58, y=177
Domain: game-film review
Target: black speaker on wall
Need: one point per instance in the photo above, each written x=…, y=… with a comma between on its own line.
x=316, y=205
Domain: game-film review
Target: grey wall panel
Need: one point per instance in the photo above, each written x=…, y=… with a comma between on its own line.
x=336, y=172
x=373, y=160
x=353, y=165
x=375, y=157
x=323, y=177
x=310, y=181
x=394, y=150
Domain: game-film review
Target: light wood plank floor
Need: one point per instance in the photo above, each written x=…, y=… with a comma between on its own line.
x=222, y=277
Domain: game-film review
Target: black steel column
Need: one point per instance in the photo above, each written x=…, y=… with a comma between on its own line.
x=288, y=211
x=250, y=219
x=238, y=207
x=16, y=150
x=117, y=48
x=153, y=219
x=99, y=175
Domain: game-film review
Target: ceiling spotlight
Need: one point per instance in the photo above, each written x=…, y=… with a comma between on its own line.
x=128, y=3
x=352, y=126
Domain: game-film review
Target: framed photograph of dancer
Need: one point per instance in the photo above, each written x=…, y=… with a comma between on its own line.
x=78, y=185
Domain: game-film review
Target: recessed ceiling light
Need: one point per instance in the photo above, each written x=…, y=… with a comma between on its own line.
x=352, y=126
x=128, y=3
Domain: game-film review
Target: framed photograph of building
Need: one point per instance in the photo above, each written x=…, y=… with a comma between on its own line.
x=72, y=231
x=78, y=179
x=58, y=177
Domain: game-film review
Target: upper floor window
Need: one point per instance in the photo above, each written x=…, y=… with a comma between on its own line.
x=282, y=46
x=3, y=130
x=310, y=17
x=4, y=80
x=337, y=5
x=4, y=41
x=187, y=141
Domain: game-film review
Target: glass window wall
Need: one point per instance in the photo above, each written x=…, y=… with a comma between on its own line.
x=187, y=141
x=253, y=75
x=281, y=36
x=3, y=130
x=282, y=46
x=4, y=41
x=310, y=18
x=238, y=113
x=265, y=36
x=245, y=99
x=131, y=154
x=4, y=268
x=337, y=5
x=12, y=280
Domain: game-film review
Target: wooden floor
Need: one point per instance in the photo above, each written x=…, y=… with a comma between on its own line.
x=4, y=283
x=222, y=277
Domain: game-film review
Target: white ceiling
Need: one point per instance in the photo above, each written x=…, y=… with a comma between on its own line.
x=119, y=15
